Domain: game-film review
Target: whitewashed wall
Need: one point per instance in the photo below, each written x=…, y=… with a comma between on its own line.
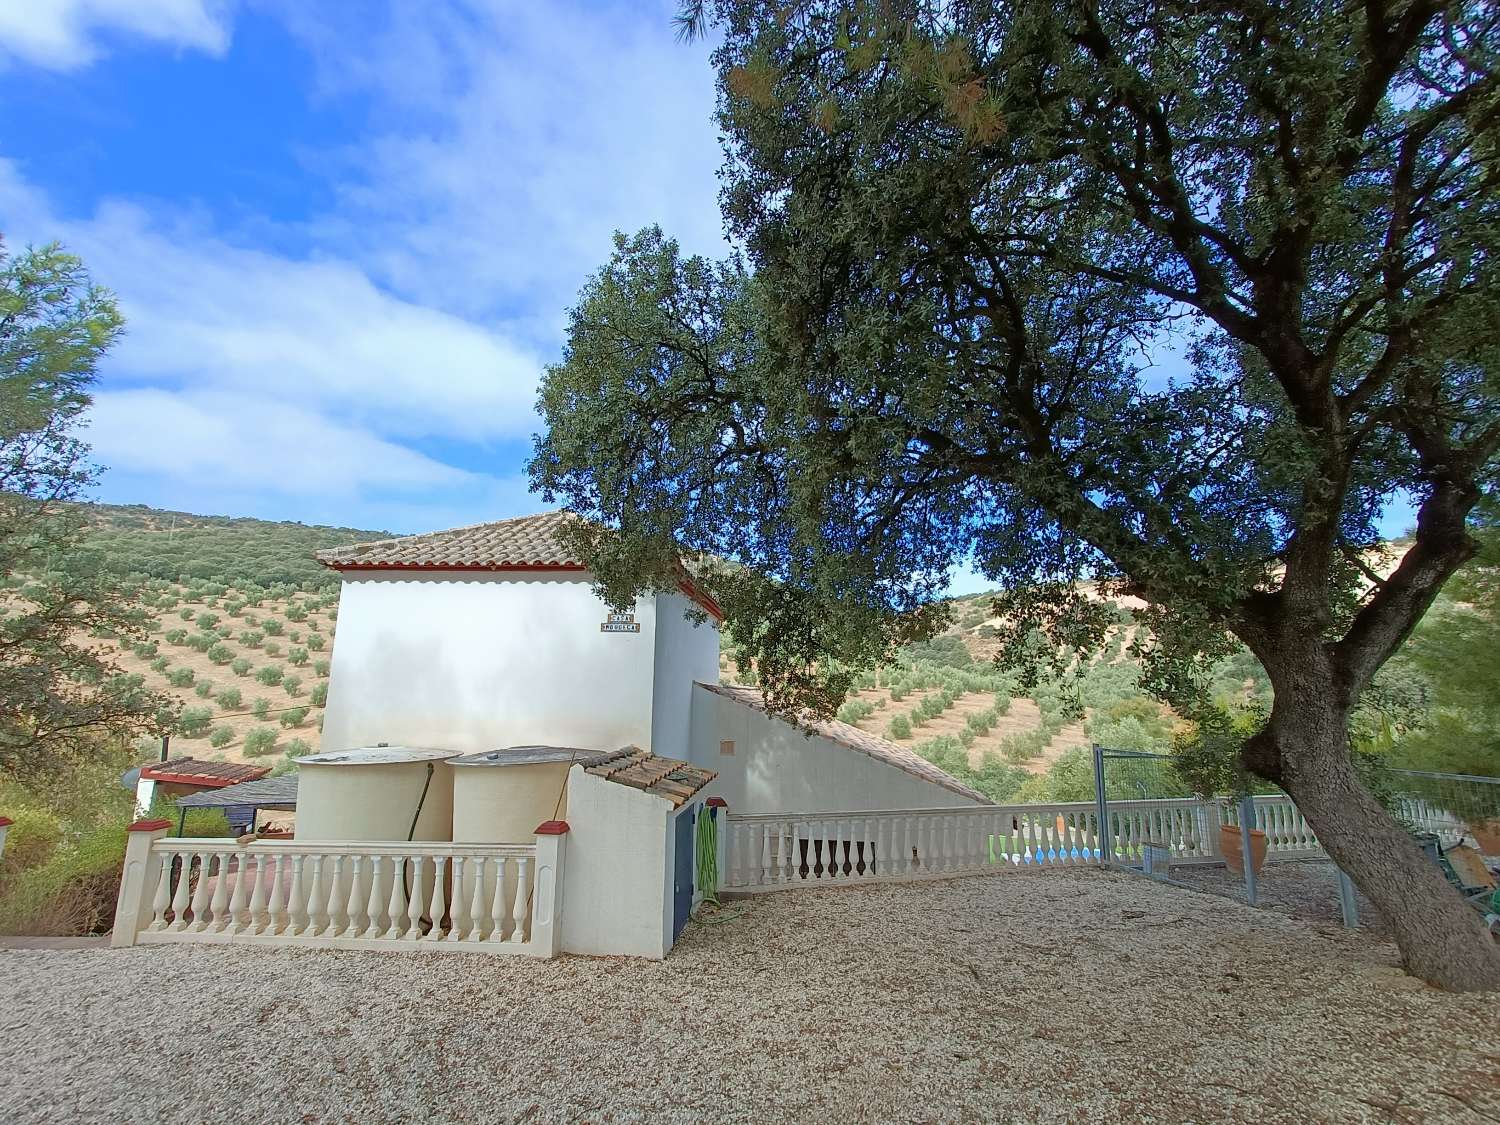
x=475, y=661
x=685, y=653
x=616, y=896
x=777, y=768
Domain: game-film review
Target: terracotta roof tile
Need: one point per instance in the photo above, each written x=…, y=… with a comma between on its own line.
x=661, y=777
x=861, y=742
x=192, y=771
x=526, y=541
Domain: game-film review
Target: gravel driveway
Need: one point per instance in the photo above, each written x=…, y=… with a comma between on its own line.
x=1028, y=996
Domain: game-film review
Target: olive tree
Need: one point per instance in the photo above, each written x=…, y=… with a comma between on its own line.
x=970, y=231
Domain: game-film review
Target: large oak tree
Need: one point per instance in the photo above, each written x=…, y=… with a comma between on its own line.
x=972, y=230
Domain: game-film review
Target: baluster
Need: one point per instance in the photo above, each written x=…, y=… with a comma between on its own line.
x=354, y=901
x=438, y=906
x=838, y=847
x=296, y=901
x=875, y=849
x=794, y=857
x=239, y=912
x=497, y=905
x=518, y=915
x=476, y=904
x=335, y=879
x=258, y=897
x=315, y=898
x=458, y=928
x=199, y=904
x=180, y=891
x=372, y=905
x=276, y=913
x=218, y=905
x=163, y=897
x=416, y=898
x=395, y=906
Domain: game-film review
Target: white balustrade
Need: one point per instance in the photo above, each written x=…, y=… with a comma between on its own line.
x=361, y=895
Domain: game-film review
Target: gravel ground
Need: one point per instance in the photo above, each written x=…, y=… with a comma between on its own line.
x=1027, y=996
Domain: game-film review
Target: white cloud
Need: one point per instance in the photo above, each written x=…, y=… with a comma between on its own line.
x=204, y=313
x=66, y=34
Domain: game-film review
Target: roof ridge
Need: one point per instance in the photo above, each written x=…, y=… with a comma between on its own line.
x=372, y=544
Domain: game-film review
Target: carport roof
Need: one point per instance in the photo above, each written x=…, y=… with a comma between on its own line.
x=860, y=741
x=640, y=769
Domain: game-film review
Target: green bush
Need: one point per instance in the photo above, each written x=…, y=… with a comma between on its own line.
x=160, y=664
x=186, y=614
x=319, y=695
x=272, y=649
x=240, y=666
x=298, y=748
x=320, y=667
x=201, y=642
x=203, y=689
x=194, y=722
x=297, y=656
x=295, y=612
x=220, y=737
x=261, y=708
x=175, y=636
x=220, y=653
x=252, y=638
x=207, y=621
x=268, y=674
x=272, y=627
x=292, y=685
x=180, y=677
x=294, y=717
x=229, y=699
x=260, y=742
x=900, y=728
x=146, y=649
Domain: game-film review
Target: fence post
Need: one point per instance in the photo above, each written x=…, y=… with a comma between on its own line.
x=138, y=880
x=1101, y=809
x=5, y=823
x=546, y=905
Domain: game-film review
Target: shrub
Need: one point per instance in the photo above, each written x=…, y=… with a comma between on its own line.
x=240, y=666
x=175, y=636
x=294, y=635
x=186, y=614
x=292, y=685
x=202, y=642
x=229, y=699
x=272, y=648
x=146, y=649
x=268, y=674
x=294, y=717
x=251, y=638
x=207, y=621
x=194, y=721
x=220, y=737
x=203, y=689
x=180, y=677
x=295, y=612
x=900, y=728
x=297, y=656
x=220, y=653
x=272, y=626
x=319, y=694
x=260, y=742
x=262, y=709
x=898, y=691
x=160, y=664
x=320, y=667
x=298, y=748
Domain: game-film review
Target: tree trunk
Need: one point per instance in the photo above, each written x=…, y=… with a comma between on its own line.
x=1442, y=939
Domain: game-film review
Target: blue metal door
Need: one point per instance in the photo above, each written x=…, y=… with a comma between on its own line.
x=682, y=874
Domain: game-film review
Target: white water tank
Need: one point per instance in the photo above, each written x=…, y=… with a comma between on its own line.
x=500, y=796
x=376, y=793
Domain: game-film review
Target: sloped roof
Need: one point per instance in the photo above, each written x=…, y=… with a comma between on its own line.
x=661, y=777
x=861, y=742
x=268, y=792
x=525, y=542
x=192, y=771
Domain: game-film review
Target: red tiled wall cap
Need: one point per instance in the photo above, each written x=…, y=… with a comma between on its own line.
x=552, y=828
x=149, y=826
x=717, y=803
x=5, y=822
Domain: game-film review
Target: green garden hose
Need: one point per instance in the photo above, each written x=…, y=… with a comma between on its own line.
x=708, y=854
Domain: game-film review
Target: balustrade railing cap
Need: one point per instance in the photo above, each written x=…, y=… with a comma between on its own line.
x=5, y=822
x=149, y=826
x=717, y=803
x=552, y=828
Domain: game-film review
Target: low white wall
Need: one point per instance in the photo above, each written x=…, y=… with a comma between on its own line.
x=777, y=768
x=618, y=870
x=475, y=661
x=685, y=653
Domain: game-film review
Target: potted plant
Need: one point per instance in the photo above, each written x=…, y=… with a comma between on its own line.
x=1206, y=755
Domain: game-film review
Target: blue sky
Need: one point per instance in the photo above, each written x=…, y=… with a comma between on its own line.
x=345, y=235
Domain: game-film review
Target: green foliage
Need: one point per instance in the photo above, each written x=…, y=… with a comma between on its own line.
x=259, y=742
x=316, y=642
x=319, y=694
x=261, y=708
x=294, y=717
x=899, y=728
x=206, y=621
x=273, y=627
x=229, y=699
x=220, y=653
x=856, y=710
x=203, y=689
x=175, y=636
x=296, y=612
x=292, y=684
x=297, y=656
x=272, y=648
x=220, y=737
x=321, y=667
x=268, y=674
x=194, y=722
x=240, y=666
x=160, y=664
x=180, y=677
x=252, y=638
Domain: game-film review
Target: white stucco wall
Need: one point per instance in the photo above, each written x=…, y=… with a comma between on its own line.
x=685, y=652
x=777, y=768
x=475, y=661
x=619, y=855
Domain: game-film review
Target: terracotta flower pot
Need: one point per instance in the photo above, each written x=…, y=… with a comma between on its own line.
x=1229, y=844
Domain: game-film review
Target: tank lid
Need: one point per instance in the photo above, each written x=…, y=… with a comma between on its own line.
x=376, y=756
x=529, y=756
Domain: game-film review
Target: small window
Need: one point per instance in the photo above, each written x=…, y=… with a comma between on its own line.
x=726, y=748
